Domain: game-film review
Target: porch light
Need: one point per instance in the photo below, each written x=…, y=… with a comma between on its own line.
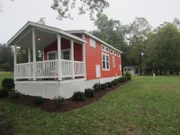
x=39, y=39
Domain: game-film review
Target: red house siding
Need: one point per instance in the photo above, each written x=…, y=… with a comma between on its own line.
x=94, y=57
x=65, y=44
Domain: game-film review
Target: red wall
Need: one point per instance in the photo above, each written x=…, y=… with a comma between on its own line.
x=94, y=57
x=65, y=44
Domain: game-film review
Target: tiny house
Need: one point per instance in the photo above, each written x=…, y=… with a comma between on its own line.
x=72, y=61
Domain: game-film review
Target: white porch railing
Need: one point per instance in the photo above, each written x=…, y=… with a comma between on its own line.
x=49, y=69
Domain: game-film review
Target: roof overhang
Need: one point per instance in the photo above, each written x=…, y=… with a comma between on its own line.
x=47, y=33
x=92, y=36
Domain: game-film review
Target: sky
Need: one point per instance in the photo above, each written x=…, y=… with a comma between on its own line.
x=15, y=14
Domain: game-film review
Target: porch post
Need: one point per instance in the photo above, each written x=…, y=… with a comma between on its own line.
x=84, y=56
x=59, y=56
x=34, y=53
x=29, y=55
x=29, y=65
x=15, y=62
x=72, y=58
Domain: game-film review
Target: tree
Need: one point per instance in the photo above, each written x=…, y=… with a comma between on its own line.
x=65, y=7
x=6, y=56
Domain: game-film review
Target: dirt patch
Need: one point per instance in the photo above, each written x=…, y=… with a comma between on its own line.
x=69, y=105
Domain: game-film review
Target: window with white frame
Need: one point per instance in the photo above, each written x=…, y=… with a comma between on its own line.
x=118, y=54
x=111, y=51
x=66, y=54
x=92, y=43
x=105, y=61
x=115, y=53
x=113, y=62
x=105, y=48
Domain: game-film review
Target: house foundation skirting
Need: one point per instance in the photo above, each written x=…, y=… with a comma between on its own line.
x=51, y=89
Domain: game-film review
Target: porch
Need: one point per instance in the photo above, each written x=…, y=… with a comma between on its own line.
x=60, y=50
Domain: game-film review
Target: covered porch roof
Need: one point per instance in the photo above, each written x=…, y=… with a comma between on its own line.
x=44, y=34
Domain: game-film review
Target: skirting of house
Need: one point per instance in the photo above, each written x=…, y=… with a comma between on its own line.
x=51, y=89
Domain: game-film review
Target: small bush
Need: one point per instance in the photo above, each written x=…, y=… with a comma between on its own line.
x=6, y=66
x=3, y=93
x=89, y=93
x=109, y=85
x=14, y=94
x=38, y=101
x=103, y=86
x=58, y=101
x=8, y=83
x=128, y=75
x=97, y=86
x=78, y=96
x=114, y=82
x=120, y=80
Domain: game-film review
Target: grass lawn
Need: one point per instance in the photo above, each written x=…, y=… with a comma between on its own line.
x=141, y=106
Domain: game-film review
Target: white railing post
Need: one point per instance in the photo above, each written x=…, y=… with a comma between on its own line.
x=15, y=63
x=34, y=53
x=59, y=57
x=72, y=58
x=84, y=56
x=29, y=61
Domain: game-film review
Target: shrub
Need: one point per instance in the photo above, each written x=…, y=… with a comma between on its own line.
x=97, y=86
x=103, y=86
x=120, y=79
x=109, y=85
x=38, y=101
x=128, y=75
x=14, y=94
x=78, y=96
x=58, y=101
x=3, y=93
x=8, y=83
x=114, y=82
x=89, y=93
x=6, y=66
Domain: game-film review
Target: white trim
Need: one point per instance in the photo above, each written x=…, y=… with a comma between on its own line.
x=15, y=62
x=63, y=50
x=103, y=48
x=92, y=42
x=84, y=56
x=105, y=61
x=92, y=36
x=113, y=62
x=49, y=52
x=59, y=57
x=34, y=53
x=71, y=53
x=45, y=27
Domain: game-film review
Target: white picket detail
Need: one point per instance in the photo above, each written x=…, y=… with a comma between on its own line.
x=46, y=69
x=24, y=71
x=49, y=69
x=78, y=68
x=66, y=66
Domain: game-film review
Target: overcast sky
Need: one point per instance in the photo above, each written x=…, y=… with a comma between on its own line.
x=16, y=14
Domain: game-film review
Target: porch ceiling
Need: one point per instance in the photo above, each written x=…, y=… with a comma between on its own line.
x=46, y=34
x=45, y=39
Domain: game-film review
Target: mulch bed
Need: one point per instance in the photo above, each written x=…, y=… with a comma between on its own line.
x=69, y=105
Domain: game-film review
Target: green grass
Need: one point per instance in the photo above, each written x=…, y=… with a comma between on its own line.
x=141, y=106
x=4, y=75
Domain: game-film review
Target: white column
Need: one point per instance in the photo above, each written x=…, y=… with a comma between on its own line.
x=29, y=65
x=29, y=55
x=84, y=55
x=15, y=62
x=59, y=57
x=72, y=58
x=34, y=53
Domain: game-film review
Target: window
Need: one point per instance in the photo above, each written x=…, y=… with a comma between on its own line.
x=115, y=53
x=111, y=51
x=92, y=43
x=66, y=54
x=105, y=48
x=105, y=61
x=52, y=55
x=113, y=62
x=118, y=54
